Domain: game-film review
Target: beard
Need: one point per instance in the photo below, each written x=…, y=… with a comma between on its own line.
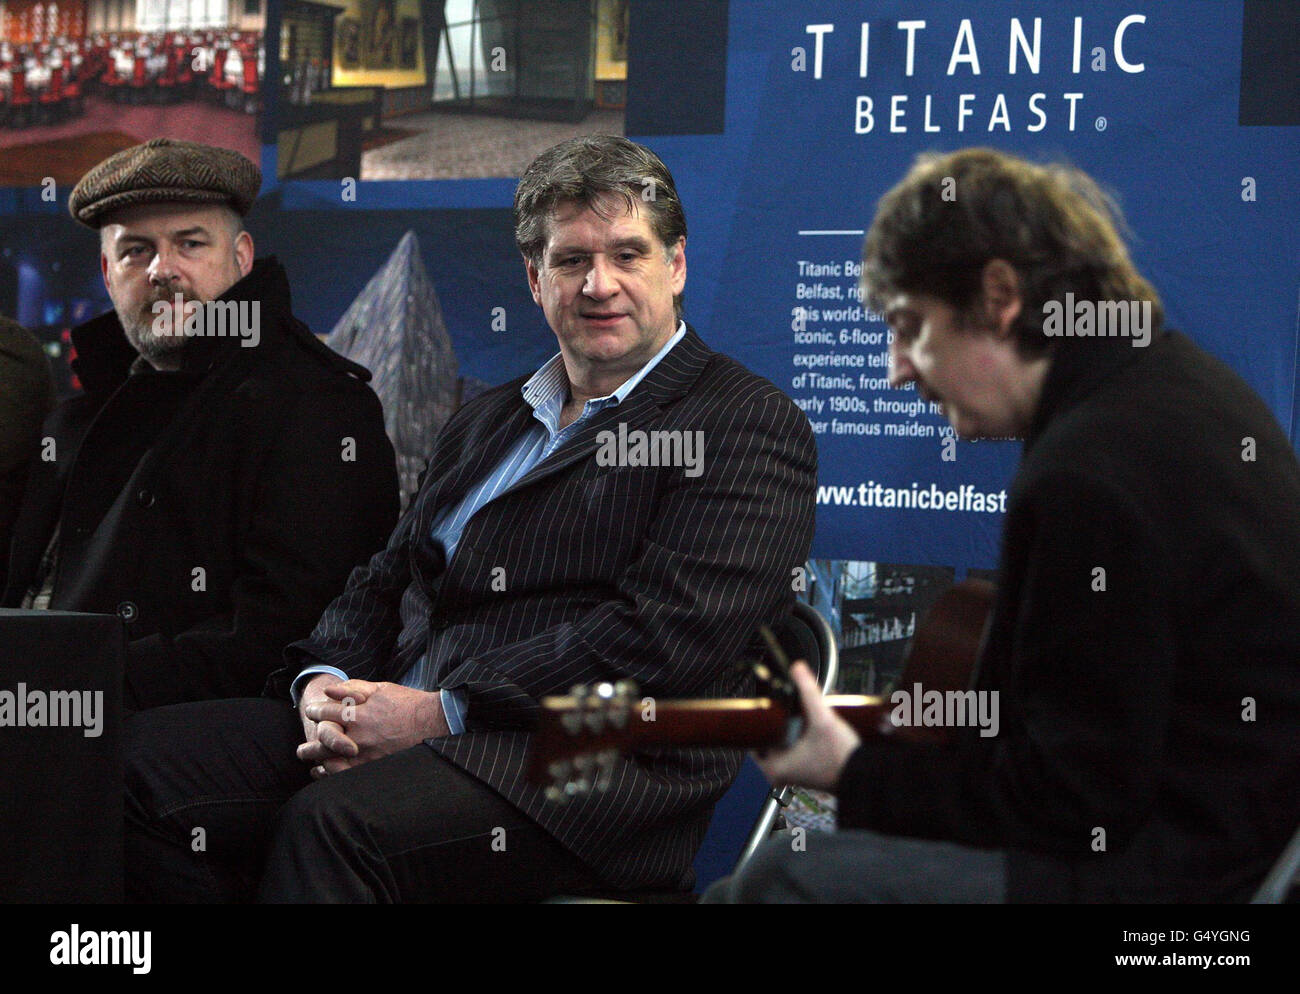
x=147, y=331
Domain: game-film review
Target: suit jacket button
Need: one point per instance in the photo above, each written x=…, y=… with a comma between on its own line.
x=145, y=498
x=127, y=611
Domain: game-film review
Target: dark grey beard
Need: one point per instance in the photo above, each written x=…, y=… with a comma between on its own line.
x=140, y=333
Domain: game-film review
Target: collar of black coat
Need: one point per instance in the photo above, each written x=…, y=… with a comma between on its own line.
x=105, y=357
x=1079, y=367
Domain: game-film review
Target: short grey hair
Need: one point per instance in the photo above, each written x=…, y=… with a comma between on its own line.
x=587, y=170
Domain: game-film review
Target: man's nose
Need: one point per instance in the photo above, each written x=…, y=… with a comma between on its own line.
x=900, y=365
x=600, y=281
x=162, y=269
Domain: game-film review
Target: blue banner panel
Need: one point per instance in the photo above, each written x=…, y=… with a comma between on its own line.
x=828, y=104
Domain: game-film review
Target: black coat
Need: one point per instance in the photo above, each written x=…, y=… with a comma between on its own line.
x=1149, y=747
x=215, y=509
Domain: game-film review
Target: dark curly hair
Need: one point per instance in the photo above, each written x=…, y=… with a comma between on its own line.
x=934, y=232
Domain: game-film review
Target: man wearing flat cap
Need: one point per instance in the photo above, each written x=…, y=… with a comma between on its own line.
x=222, y=471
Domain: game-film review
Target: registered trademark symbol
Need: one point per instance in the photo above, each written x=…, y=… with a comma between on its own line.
x=1101, y=124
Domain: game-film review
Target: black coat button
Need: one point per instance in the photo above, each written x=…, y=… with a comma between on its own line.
x=127, y=611
x=145, y=498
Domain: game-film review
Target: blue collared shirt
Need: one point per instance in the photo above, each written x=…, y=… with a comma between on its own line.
x=545, y=392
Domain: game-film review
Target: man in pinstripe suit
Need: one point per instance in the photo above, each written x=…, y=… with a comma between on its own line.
x=526, y=564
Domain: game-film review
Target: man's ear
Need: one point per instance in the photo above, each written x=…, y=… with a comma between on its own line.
x=1000, y=296
x=103, y=271
x=244, y=253
x=677, y=267
x=534, y=280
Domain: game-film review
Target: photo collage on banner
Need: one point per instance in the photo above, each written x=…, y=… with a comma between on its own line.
x=83, y=79
x=391, y=134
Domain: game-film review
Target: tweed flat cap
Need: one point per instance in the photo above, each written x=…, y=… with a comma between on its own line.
x=165, y=171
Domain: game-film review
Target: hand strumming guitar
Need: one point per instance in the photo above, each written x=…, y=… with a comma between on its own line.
x=819, y=755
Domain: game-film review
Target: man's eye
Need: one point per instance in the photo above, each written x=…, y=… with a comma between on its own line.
x=191, y=243
x=627, y=257
x=135, y=250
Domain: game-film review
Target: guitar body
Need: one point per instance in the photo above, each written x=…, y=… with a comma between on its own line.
x=947, y=644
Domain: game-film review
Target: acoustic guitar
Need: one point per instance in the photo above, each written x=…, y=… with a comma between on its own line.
x=579, y=736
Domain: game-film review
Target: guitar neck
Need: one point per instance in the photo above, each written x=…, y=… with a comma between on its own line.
x=566, y=730
x=575, y=733
x=742, y=723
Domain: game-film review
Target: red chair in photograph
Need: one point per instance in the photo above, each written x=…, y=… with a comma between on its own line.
x=250, y=82
x=167, y=81
x=20, y=101
x=93, y=63
x=139, y=86
x=221, y=86
x=73, y=105
x=184, y=70
x=113, y=82
x=50, y=103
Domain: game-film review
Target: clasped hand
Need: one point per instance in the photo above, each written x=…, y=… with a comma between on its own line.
x=350, y=722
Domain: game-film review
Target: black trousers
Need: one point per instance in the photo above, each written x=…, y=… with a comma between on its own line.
x=218, y=808
x=853, y=866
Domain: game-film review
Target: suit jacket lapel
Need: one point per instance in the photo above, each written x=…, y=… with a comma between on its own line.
x=663, y=385
x=500, y=426
x=485, y=445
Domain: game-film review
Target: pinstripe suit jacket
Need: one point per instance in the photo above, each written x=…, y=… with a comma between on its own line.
x=610, y=572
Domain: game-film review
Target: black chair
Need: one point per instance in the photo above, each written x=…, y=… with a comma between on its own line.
x=61, y=823
x=806, y=635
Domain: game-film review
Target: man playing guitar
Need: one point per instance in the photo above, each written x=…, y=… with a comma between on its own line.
x=1145, y=640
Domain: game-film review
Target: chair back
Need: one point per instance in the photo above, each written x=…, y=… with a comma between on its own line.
x=806, y=635
x=803, y=634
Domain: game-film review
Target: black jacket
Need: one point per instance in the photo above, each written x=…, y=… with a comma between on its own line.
x=643, y=572
x=1150, y=731
x=216, y=509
